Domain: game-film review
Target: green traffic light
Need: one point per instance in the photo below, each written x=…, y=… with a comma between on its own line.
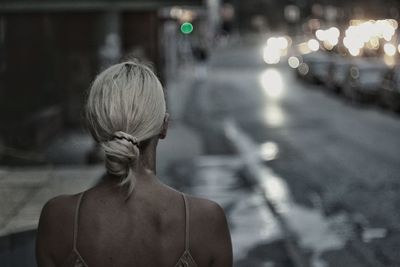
x=186, y=27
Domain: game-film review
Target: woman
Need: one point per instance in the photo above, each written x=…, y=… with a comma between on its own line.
x=131, y=218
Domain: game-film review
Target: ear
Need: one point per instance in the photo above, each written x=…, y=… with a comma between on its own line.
x=164, y=129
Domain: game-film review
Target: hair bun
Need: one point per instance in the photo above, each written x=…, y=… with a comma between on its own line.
x=126, y=136
x=122, y=157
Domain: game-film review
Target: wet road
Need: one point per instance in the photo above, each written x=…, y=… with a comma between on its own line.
x=336, y=158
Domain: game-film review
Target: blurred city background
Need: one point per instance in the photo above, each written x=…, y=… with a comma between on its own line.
x=284, y=112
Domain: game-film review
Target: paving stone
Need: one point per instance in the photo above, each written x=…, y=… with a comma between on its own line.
x=24, y=192
x=25, y=177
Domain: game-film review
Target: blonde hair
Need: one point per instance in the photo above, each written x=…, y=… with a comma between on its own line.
x=125, y=106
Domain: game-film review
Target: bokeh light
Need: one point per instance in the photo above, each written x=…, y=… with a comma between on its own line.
x=272, y=83
x=275, y=48
x=293, y=62
x=313, y=45
x=389, y=49
x=367, y=35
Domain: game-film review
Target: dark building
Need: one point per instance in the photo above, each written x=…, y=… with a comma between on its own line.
x=51, y=50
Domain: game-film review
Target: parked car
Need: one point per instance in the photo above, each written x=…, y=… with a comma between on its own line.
x=390, y=89
x=363, y=80
x=314, y=67
x=337, y=71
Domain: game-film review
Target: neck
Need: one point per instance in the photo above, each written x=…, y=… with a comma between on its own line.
x=147, y=156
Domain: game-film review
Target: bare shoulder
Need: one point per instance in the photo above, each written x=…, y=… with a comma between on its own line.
x=210, y=231
x=54, y=236
x=206, y=208
x=56, y=209
x=207, y=215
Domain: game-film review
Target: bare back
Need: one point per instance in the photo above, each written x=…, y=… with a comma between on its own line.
x=146, y=230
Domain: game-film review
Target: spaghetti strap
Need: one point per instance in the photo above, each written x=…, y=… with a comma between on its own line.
x=76, y=260
x=76, y=220
x=186, y=222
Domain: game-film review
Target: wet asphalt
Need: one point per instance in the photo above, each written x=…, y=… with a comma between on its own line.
x=338, y=159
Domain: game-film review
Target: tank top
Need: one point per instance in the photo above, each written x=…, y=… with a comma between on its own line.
x=76, y=260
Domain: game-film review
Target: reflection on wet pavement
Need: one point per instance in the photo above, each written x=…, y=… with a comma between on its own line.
x=311, y=229
x=269, y=151
x=250, y=222
x=275, y=189
x=272, y=83
x=274, y=115
x=274, y=88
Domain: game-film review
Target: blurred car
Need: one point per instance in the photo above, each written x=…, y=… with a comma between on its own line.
x=336, y=76
x=363, y=80
x=314, y=67
x=390, y=89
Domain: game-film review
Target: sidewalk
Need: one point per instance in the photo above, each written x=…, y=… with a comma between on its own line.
x=23, y=192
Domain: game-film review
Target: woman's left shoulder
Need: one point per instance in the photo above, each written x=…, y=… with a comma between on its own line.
x=54, y=235
x=210, y=230
x=56, y=218
x=208, y=212
x=58, y=208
